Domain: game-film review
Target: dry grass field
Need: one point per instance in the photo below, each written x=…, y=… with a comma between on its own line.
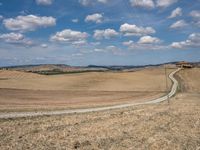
x=190, y=80
x=20, y=91
x=161, y=126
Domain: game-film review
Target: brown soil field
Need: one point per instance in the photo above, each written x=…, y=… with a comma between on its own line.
x=161, y=126
x=21, y=91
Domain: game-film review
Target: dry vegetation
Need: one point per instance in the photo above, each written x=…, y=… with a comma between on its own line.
x=91, y=81
x=145, y=127
x=21, y=91
x=161, y=126
x=190, y=81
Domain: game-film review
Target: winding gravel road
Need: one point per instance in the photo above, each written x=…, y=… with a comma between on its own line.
x=60, y=112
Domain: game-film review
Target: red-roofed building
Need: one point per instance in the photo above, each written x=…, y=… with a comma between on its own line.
x=184, y=64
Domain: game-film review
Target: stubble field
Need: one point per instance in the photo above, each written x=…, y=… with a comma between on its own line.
x=20, y=91
x=161, y=126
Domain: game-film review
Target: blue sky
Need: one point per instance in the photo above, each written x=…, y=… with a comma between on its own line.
x=99, y=32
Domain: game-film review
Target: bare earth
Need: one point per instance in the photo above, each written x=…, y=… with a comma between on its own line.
x=21, y=91
x=160, y=126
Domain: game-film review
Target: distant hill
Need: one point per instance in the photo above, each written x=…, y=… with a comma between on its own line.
x=63, y=68
x=51, y=69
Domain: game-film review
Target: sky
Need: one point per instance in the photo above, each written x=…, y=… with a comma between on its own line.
x=99, y=32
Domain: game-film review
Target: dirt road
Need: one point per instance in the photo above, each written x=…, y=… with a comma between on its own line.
x=60, y=112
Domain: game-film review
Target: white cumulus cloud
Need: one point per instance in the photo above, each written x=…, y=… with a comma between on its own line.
x=90, y=2
x=178, y=24
x=128, y=43
x=176, y=12
x=193, y=41
x=145, y=43
x=102, y=1
x=133, y=30
x=71, y=37
x=107, y=34
x=149, y=4
x=149, y=40
x=44, y=2
x=109, y=49
x=44, y=45
x=28, y=23
x=75, y=20
x=15, y=38
x=85, y=2
x=196, y=17
x=165, y=3
x=139, y=46
x=195, y=14
x=97, y=18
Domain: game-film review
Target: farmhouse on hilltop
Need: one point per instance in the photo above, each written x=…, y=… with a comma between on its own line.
x=184, y=64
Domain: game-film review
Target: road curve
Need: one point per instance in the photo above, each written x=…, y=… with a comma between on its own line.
x=85, y=110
